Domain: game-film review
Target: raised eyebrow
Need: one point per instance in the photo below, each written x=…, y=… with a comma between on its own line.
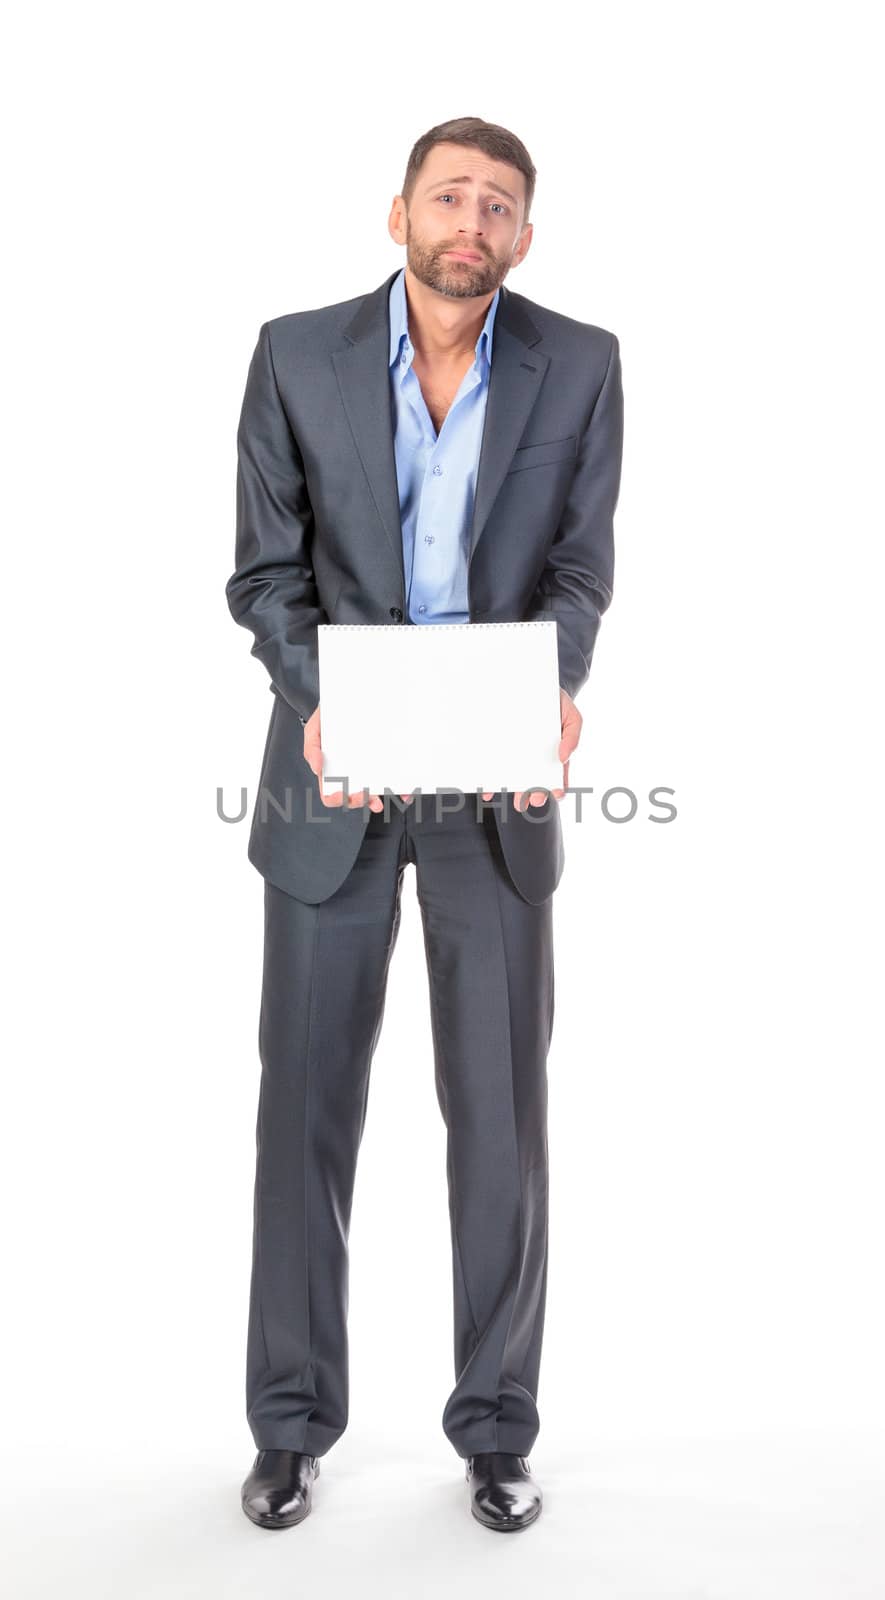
x=445, y=183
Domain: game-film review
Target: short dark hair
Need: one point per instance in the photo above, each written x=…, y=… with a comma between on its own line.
x=494, y=141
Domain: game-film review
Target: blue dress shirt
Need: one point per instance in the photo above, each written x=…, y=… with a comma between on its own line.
x=436, y=472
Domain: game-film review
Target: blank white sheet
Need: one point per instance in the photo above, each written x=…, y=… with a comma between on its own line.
x=440, y=706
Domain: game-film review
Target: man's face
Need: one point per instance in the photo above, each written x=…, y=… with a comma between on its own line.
x=465, y=202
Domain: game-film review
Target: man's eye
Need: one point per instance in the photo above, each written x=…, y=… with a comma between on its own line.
x=497, y=203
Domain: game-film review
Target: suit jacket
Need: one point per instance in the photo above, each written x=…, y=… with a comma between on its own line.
x=319, y=539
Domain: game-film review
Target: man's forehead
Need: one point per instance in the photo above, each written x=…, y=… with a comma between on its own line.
x=490, y=175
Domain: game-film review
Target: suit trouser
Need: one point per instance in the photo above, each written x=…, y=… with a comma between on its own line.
x=489, y=956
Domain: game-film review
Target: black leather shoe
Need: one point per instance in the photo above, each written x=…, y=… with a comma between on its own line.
x=503, y=1494
x=277, y=1492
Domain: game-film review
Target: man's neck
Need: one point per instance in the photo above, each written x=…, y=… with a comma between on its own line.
x=443, y=330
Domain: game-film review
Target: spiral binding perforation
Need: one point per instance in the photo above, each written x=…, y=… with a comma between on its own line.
x=361, y=627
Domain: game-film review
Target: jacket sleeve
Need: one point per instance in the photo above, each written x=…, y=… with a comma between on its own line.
x=272, y=590
x=576, y=585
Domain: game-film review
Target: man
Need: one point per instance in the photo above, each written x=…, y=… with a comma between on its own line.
x=439, y=450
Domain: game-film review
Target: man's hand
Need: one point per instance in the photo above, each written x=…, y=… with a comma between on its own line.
x=313, y=755
x=572, y=722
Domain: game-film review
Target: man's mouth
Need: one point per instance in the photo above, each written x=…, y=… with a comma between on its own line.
x=464, y=255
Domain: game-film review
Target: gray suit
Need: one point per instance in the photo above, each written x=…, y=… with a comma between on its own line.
x=319, y=540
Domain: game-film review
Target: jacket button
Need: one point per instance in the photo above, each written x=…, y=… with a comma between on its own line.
x=396, y=614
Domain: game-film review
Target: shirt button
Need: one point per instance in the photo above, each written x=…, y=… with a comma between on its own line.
x=422, y=608
x=429, y=538
x=437, y=471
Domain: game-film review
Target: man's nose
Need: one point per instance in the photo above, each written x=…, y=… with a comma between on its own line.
x=476, y=226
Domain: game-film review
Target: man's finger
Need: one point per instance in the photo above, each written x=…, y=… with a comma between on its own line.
x=559, y=794
x=363, y=797
x=534, y=798
x=572, y=723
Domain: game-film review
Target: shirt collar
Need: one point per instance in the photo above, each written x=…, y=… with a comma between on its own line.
x=399, y=320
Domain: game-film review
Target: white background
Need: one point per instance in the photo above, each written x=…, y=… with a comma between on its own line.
x=712, y=1402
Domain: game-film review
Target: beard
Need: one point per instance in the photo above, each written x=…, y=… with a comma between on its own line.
x=459, y=280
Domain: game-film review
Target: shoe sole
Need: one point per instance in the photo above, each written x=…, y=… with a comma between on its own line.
x=274, y=1523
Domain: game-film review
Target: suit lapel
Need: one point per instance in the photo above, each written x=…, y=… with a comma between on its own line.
x=364, y=380
x=363, y=374
x=514, y=385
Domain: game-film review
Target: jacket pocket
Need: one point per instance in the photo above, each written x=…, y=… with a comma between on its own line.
x=539, y=455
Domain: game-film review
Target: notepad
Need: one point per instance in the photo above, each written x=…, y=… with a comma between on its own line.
x=440, y=706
